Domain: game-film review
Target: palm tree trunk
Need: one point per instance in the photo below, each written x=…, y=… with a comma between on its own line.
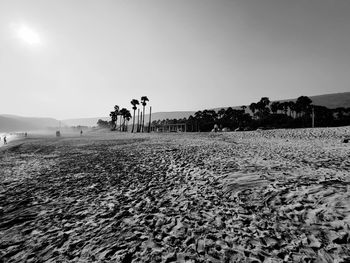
x=140, y=127
x=143, y=120
x=138, y=120
x=149, y=123
x=133, y=122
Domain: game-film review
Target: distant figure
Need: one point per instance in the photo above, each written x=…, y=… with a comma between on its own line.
x=81, y=132
x=216, y=128
x=58, y=133
x=25, y=134
x=5, y=141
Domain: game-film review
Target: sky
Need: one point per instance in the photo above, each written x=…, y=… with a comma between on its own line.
x=78, y=58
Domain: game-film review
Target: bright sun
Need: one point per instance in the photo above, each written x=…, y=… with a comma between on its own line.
x=28, y=35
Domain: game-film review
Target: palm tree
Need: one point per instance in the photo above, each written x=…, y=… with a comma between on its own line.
x=252, y=107
x=303, y=104
x=122, y=113
x=274, y=106
x=221, y=114
x=285, y=106
x=138, y=121
x=198, y=116
x=263, y=103
x=113, y=120
x=127, y=117
x=262, y=107
x=150, y=119
x=143, y=102
x=134, y=102
x=114, y=117
x=139, y=124
x=291, y=105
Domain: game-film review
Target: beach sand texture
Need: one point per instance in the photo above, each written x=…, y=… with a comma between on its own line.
x=262, y=196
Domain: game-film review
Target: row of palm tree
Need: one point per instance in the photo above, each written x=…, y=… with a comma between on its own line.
x=140, y=121
x=301, y=107
x=264, y=114
x=125, y=117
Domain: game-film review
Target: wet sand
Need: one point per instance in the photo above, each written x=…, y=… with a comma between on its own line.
x=263, y=196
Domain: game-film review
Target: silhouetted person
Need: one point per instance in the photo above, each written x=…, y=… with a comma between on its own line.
x=5, y=141
x=81, y=132
x=25, y=134
x=216, y=128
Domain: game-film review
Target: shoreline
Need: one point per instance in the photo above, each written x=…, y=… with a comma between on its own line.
x=10, y=138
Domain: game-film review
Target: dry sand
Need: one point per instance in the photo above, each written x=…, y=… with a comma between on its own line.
x=263, y=196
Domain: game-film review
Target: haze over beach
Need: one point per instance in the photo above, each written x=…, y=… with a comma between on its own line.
x=184, y=55
x=245, y=157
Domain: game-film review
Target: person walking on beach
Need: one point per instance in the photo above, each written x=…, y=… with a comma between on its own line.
x=216, y=128
x=5, y=141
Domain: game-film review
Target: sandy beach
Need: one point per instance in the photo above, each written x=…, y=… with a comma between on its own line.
x=260, y=196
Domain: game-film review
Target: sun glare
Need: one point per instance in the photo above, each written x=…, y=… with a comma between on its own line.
x=28, y=35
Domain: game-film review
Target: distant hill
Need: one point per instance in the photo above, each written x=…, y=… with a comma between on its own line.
x=17, y=123
x=332, y=101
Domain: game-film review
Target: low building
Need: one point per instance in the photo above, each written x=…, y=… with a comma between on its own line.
x=178, y=127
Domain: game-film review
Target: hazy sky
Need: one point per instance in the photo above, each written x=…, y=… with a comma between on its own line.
x=78, y=58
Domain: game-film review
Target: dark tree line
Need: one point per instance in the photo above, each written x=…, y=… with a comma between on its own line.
x=264, y=114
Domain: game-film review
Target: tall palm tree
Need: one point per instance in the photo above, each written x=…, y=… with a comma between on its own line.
x=253, y=107
x=262, y=107
x=127, y=117
x=134, y=102
x=265, y=101
x=143, y=102
x=198, y=117
x=150, y=119
x=291, y=105
x=120, y=119
x=285, y=107
x=113, y=120
x=274, y=106
x=122, y=114
x=114, y=117
x=303, y=103
x=221, y=115
x=138, y=121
